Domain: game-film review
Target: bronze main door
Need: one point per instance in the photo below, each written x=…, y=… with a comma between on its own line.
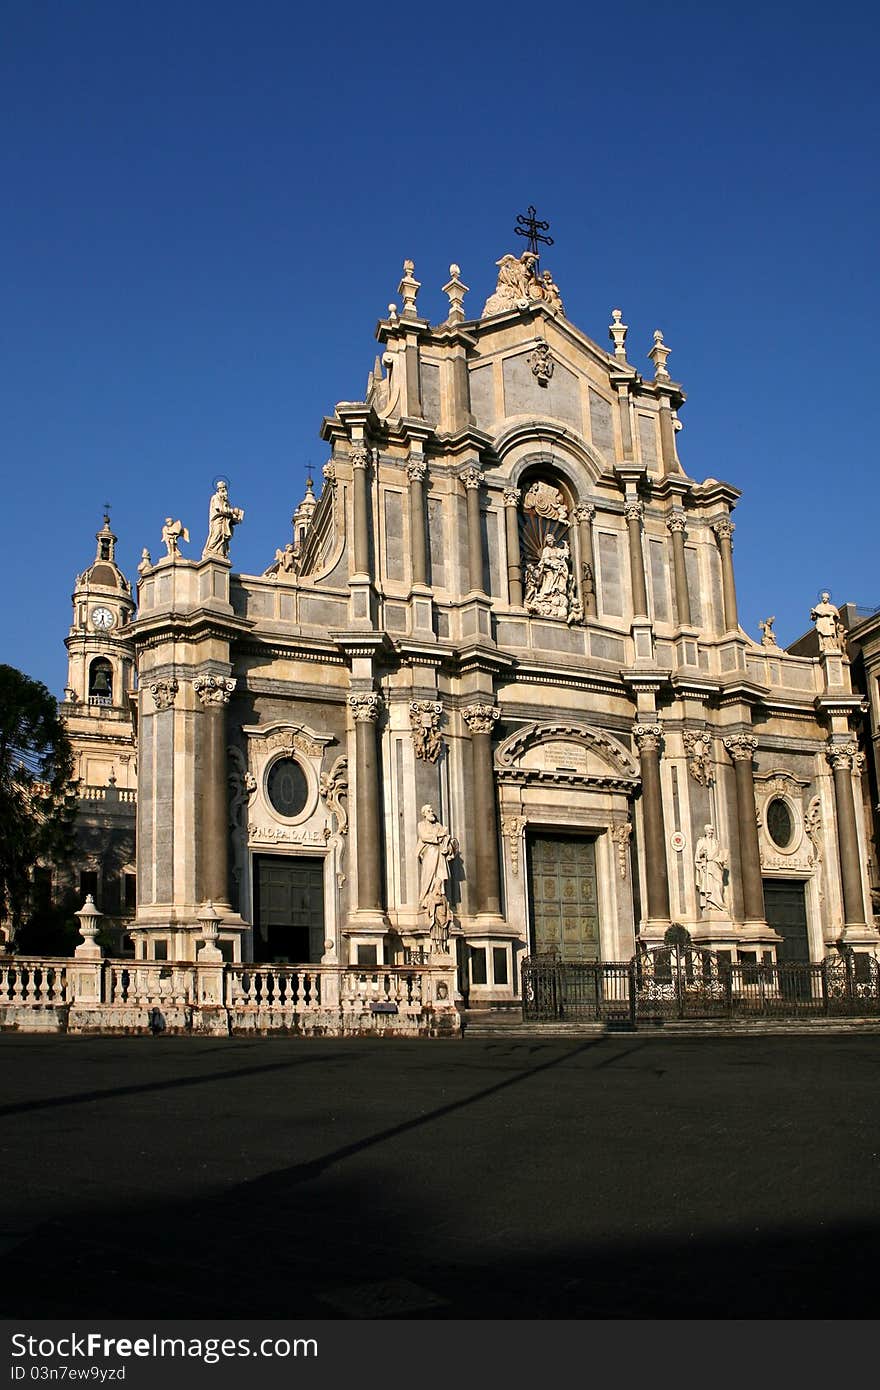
x=288, y=908
x=563, y=897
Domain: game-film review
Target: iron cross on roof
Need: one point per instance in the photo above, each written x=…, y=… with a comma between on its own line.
x=529, y=226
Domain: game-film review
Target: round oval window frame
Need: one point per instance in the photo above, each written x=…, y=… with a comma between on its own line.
x=311, y=789
x=796, y=819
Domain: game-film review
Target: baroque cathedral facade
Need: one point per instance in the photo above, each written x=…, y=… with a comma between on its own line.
x=492, y=699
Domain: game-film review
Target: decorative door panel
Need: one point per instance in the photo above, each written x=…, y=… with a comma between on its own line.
x=563, y=897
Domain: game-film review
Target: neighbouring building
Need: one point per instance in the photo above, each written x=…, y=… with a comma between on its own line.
x=491, y=698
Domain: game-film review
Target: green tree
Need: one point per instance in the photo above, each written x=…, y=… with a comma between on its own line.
x=37, y=795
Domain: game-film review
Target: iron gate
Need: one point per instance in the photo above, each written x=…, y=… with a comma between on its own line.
x=688, y=982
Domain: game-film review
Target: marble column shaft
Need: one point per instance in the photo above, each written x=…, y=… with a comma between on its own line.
x=418, y=543
x=487, y=875
x=625, y=422
x=647, y=738
x=514, y=559
x=360, y=462
x=679, y=569
x=741, y=748
x=667, y=438
x=633, y=513
x=847, y=836
x=584, y=516
x=213, y=693
x=472, y=479
x=724, y=531
x=368, y=827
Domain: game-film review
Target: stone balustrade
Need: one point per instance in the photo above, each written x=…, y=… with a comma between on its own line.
x=112, y=996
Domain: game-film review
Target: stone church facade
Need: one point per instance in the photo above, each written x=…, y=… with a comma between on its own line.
x=492, y=699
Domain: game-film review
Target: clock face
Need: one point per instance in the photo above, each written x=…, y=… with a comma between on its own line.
x=102, y=618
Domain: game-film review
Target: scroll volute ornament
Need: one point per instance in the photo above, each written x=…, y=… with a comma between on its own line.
x=480, y=719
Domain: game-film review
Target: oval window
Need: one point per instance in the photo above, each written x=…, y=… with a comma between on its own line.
x=287, y=787
x=780, y=824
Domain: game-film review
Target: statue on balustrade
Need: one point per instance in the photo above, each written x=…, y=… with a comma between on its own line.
x=437, y=849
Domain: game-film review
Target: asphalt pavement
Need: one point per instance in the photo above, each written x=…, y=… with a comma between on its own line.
x=613, y=1177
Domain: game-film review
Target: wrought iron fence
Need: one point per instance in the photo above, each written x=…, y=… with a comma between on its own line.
x=679, y=983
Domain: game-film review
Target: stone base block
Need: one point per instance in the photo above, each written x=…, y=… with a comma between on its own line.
x=34, y=1018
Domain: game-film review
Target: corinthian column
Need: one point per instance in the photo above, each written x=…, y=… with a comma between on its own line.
x=213, y=693
x=677, y=523
x=634, y=511
x=647, y=737
x=473, y=479
x=360, y=463
x=583, y=515
x=841, y=757
x=724, y=530
x=487, y=886
x=416, y=471
x=741, y=748
x=514, y=560
x=365, y=708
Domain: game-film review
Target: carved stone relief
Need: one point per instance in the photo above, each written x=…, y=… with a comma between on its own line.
x=424, y=719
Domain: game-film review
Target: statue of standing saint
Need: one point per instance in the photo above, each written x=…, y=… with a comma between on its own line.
x=437, y=849
x=222, y=517
x=829, y=625
x=710, y=862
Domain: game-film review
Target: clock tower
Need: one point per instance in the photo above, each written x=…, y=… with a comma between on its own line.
x=97, y=709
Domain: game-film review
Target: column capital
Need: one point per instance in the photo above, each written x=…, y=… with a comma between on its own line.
x=634, y=511
x=511, y=496
x=214, y=690
x=724, y=529
x=647, y=737
x=585, y=511
x=677, y=521
x=741, y=747
x=472, y=477
x=480, y=718
x=842, y=756
x=365, y=706
x=164, y=693
x=360, y=456
x=417, y=470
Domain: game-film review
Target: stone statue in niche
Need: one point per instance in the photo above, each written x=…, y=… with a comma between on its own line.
x=710, y=865
x=829, y=625
x=437, y=849
x=547, y=580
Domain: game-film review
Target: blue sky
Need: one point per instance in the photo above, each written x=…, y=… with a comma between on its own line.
x=206, y=209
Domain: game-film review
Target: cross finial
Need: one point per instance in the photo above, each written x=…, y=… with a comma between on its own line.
x=529, y=226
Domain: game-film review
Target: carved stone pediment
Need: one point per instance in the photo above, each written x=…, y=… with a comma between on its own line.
x=295, y=738
x=572, y=754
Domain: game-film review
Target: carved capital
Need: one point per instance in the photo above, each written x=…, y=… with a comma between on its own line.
x=417, y=470
x=842, y=756
x=634, y=511
x=480, y=718
x=647, y=737
x=677, y=521
x=724, y=530
x=424, y=721
x=164, y=693
x=584, y=512
x=214, y=690
x=741, y=747
x=472, y=477
x=365, y=707
x=511, y=496
x=360, y=456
